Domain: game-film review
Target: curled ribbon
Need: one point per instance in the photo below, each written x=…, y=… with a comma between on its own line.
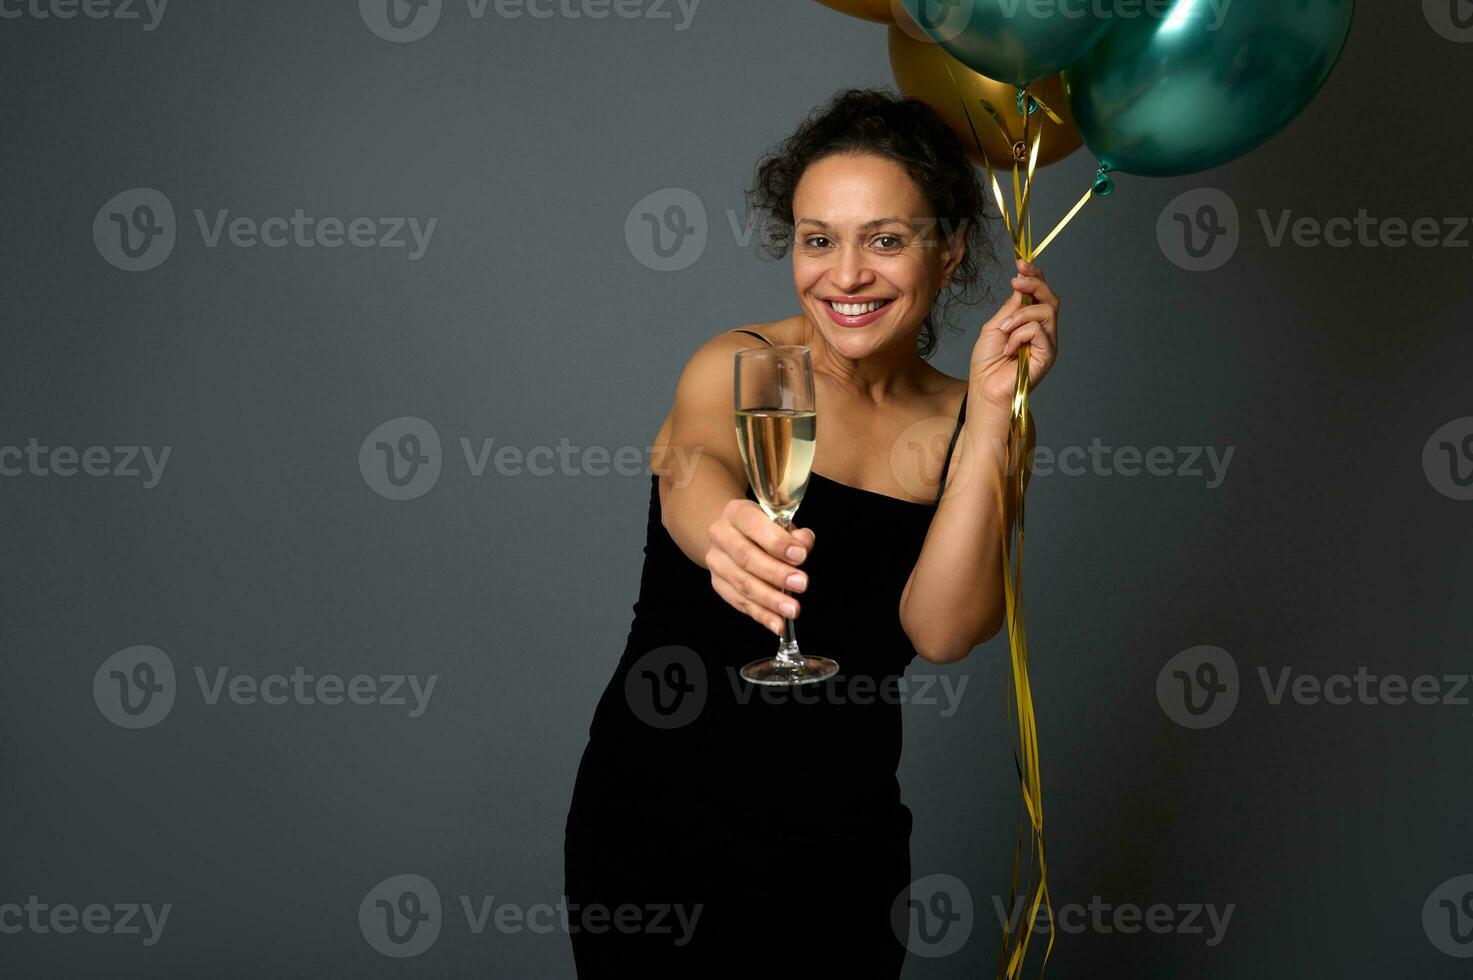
x=1032, y=876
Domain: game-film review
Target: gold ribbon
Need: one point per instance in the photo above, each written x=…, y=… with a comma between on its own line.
x=1033, y=877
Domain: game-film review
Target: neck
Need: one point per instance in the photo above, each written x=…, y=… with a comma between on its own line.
x=893, y=369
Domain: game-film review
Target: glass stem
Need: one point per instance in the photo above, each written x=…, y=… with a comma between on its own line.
x=787, y=650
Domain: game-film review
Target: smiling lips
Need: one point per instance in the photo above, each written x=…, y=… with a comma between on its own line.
x=856, y=311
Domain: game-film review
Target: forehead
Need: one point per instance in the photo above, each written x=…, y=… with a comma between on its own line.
x=853, y=188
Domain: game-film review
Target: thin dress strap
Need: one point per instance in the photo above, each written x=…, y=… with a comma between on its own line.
x=945, y=467
x=757, y=335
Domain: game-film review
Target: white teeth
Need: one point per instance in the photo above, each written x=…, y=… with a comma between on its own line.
x=857, y=309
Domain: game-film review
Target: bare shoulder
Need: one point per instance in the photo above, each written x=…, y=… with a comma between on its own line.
x=704, y=386
x=949, y=391
x=776, y=332
x=710, y=365
x=712, y=361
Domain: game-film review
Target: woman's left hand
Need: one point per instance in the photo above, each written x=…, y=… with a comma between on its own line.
x=994, y=368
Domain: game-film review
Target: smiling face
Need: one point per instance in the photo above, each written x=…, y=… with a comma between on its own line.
x=867, y=256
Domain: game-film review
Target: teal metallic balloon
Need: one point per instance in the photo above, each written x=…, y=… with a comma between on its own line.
x=1203, y=81
x=1017, y=41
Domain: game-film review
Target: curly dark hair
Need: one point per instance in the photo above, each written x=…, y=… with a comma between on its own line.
x=908, y=131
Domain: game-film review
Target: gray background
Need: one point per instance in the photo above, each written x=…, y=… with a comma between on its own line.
x=529, y=320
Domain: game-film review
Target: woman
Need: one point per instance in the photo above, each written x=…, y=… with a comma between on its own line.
x=761, y=828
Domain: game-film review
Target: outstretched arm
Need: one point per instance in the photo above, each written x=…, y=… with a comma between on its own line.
x=703, y=502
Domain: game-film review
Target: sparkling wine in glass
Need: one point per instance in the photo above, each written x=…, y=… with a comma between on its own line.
x=776, y=424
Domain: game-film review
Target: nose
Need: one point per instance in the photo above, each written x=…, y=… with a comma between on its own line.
x=851, y=272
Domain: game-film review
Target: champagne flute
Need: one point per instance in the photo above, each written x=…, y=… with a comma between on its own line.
x=776, y=423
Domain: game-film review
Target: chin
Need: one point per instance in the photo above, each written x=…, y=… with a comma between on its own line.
x=856, y=344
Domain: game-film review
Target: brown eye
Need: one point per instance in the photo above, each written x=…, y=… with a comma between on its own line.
x=893, y=240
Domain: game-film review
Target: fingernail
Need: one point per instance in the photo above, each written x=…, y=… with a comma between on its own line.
x=796, y=553
x=1005, y=324
x=796, y=581
x=789, y=610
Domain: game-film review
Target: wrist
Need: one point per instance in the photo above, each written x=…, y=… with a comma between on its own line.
x=987, y=416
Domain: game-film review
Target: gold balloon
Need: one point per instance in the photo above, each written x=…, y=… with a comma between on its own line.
x=880, y=10
x=920, y=72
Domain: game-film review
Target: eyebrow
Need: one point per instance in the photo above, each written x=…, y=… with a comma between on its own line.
x=864, y=227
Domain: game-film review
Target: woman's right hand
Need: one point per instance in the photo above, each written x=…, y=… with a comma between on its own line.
x=752, y=559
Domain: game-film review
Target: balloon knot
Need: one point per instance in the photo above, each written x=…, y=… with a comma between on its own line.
x=1103, y=185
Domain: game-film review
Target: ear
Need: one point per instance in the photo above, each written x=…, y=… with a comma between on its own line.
x=953, y=247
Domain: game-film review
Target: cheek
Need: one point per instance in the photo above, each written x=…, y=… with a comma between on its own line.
x=920, y=273
x=806, y=272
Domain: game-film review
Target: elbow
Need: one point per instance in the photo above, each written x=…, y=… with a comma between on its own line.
x=992, y=627
x=941, y=655
x=940, y=643
x=942, y=650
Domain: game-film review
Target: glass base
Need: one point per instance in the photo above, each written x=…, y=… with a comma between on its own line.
x=778, y=674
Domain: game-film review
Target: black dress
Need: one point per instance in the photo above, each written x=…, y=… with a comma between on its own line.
x=745, y=827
